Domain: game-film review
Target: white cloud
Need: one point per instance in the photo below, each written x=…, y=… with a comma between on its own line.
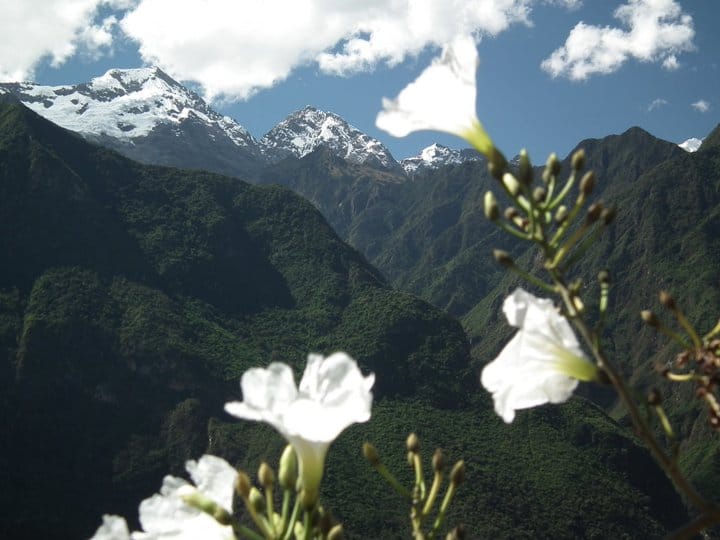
x=671, y=63
x=569, y=4
x=31, y=30
x=701, y=106
x=232, y=49
x=656, y=30
x=656, y=103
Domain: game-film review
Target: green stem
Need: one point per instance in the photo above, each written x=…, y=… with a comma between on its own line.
x=434, y=489
x=244, y=532
x=561, y=196
x=293, y=518
x=390, y=479
x=443, y=509
x=668, y=464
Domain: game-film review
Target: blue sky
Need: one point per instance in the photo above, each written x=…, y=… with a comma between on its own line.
x=552, y=72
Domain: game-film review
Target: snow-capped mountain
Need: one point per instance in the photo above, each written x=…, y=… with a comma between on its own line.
x=691, y=145
x=309, y=128
x=436, y=156
x=146, y=115
x=125, y=104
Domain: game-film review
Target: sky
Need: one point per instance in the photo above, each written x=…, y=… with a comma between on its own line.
x=551, y=72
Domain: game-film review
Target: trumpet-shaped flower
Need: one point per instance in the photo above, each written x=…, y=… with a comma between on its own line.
x=332, y=395
x=442, y=98
x=542, y=363
x=168, y=514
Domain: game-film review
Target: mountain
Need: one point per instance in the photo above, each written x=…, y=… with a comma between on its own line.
x=147, y=116
x=309, y=128
x=436, y=156
x=132, y=298
x=691, y=145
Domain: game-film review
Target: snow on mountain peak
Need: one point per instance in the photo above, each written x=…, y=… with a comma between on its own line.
x=437, y=155
x=309, y=128
x=691, y=145
x=124, y=104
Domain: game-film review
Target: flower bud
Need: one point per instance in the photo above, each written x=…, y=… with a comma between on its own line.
x=511, y=184
x=650, y=318
x=490, y=206
x=667, y=300
x=202, y=502
x=654, y=397
x=593, y=213
x=243, y=485
x=608, y=215
x=561, y=215
x=288, y=468
x=371, y=454
x=587, y=183
x=266, y=475
x=503, y=258
x=578, y=160
x=438, y=461
x=257, y=502
x=525, y=172
x=552, y=167
x=336, y=533
x=458, y=533
x=539, y=194
x=510, y=213
x=457, y=475
x=413, y=443
x=604, y=277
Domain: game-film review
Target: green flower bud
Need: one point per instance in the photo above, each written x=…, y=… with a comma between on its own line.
x=587, y=183
x=667, y=300
x=266, y=475
x=336, y=533
x=438, y=461
x=593, y=213
x=257, y=501
x=243, y=485
x=607, y=215
x=503, y=258
x=288, y=468
x=552, y=167
x=371, y=454
x=525, y=172
x=578, y=160
x=511, y=184
x=490, y=206
x=510, y=213
x=650, y=318
x=561, y=214
x=604, y=277
x=457, y=475
x=413, y=443
x=539, y=194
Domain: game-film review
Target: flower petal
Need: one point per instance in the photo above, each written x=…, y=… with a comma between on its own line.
x=441, y=98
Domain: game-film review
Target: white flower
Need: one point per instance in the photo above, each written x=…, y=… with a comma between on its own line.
x=168, y=515
x=442, y=98
x=332, y=395
x=541, y=364
x=113, y=528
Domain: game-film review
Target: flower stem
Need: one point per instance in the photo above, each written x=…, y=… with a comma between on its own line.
x=668, y=464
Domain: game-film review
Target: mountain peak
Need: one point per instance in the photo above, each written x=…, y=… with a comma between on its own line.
x=437, y=155
x=126, y=104
x=308, y=128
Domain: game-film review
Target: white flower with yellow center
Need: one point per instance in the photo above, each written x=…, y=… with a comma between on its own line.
x=332, y=395
x=542, y=363
x=442, y=98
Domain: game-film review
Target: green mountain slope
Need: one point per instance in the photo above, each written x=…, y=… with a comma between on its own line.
x=133, y=297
